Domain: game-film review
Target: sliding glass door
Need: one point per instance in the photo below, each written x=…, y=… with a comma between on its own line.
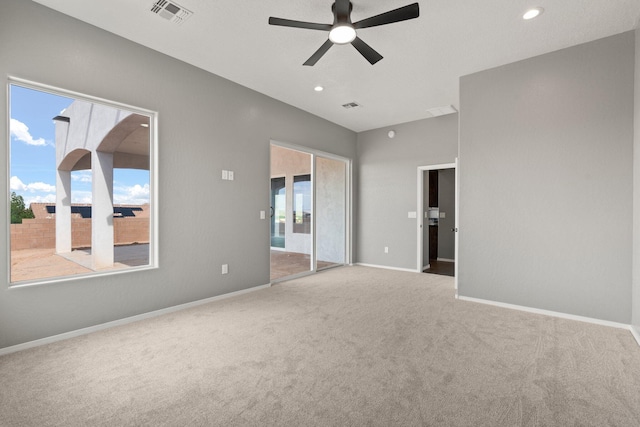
x=309, y=205
x=330, y=212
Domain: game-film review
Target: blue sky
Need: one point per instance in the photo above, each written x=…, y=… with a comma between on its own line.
x=33, y=154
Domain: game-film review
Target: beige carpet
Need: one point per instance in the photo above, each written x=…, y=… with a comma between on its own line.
x=348, y=347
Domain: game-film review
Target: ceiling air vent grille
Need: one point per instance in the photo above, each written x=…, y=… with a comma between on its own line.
x=171, y=11
x=350, y=105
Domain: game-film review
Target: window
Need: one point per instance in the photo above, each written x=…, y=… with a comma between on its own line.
x=81, y=185
x=302, y=204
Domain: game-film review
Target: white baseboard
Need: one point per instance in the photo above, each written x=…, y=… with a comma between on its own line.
x=635, y=332
x=548, y=313
x=445, y=259
x=126, y=320
x=388, y=268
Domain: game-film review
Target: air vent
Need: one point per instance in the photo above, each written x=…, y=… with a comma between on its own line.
x=349, y=105
x=171, y=11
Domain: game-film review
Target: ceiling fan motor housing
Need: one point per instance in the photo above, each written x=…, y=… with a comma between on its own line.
x=343, y=31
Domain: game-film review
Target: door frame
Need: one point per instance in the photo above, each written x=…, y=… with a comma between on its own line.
x=348, y=256
x=420, y=213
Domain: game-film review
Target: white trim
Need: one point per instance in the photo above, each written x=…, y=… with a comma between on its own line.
x=426, y=267
x=445, y=259
x=154, y=230
x=420, y=210
x=547, y=312
x=635, y=332
x=456, y=241
x=387, y=267
x=126, y=320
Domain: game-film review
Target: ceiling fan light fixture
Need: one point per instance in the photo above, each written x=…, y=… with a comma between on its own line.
x=342, y=34
x=532, y=13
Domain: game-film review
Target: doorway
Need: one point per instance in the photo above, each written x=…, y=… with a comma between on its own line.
x=438, y=219
x=310, y=211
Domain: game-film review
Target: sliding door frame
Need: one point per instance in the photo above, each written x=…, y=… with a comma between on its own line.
x=348, y=243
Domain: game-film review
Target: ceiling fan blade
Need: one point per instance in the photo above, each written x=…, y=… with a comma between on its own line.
x=319, y=53
x=401, y=14
x=299, y=24
x=342, y=11
x=367, y=51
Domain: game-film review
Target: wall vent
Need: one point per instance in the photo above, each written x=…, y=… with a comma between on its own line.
x=171, y=11
x=349, y=105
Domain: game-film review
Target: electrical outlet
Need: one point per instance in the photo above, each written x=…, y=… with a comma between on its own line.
x=386, y=249
x=225, y=268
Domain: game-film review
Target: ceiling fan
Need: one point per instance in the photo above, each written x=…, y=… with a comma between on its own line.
x=343, y=31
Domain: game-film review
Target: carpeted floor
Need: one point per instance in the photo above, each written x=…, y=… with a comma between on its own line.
x=351, y=346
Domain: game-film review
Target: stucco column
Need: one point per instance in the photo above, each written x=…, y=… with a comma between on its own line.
x=102, y=210
x=63, y=211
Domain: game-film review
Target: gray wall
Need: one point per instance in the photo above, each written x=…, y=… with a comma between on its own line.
x=636, y=195
x=387, y=176
x=546, y=181
x=206, y=124
x=447, y=205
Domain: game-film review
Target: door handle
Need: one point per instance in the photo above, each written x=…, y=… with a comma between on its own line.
x=455, y=230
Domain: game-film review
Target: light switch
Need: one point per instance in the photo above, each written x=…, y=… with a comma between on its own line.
x=442, y=215
x=230, y=175
x=225, y=174
x=413, y=215
x=262, y=215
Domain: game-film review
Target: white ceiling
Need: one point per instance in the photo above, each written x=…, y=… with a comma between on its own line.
x=423, y=57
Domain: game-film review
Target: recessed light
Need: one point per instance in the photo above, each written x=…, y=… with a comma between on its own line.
x=318, y=88
x=532, y=13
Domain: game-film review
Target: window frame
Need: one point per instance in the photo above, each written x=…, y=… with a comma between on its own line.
x=153, y=182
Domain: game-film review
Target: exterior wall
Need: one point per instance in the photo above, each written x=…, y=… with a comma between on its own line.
x=387, y=191
x=546, y=174
x=205, y=124
x=41, y=233
x=330, y=209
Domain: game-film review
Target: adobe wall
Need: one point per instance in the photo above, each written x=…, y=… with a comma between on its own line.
x=40, y=233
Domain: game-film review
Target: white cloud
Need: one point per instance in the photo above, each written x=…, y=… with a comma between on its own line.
x=15, y=184
x=81, y=197
x=81, y=176
x=20, y=131
x=135, y=195
x=49, y=198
